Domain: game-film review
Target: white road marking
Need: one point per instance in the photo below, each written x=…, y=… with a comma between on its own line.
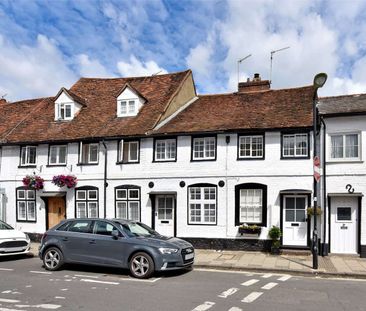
x=284, y=278
x=97, y=281
x=94, y=288
x=235, y=309
x=6, y=269
x=41, y=272
x=250, y=282
x=59, y=297
x=28, y=286
x=64, y=289
x=251, y=297
x=205, y=306
x=86, y=276
x=269, y=285
x=42, y=306
x=266, y=276
x=68, y=280
x=229, y=292
x=139, y=280
x=9, y=300
x=6, y=292
x=7, y=309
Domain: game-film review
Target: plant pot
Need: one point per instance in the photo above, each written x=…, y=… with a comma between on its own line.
x=275, y=250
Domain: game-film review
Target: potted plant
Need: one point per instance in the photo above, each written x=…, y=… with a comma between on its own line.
x=249, y=229
x=69, y=181
x=34, y=182
x=275, y=233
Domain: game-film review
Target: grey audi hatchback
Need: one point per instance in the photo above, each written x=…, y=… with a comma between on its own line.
x=115, y=243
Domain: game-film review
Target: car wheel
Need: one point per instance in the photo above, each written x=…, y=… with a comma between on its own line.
x=141, y=266
x=53, y=259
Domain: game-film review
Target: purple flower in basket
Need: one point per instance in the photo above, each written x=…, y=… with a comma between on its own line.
x=33, y=182
x=69, y=181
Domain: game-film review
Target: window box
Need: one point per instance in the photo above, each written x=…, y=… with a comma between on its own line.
x=252, y=230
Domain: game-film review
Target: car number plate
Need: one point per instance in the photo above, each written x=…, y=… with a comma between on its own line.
x=189, y=256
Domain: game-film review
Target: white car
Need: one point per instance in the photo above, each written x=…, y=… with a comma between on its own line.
x=13, y=242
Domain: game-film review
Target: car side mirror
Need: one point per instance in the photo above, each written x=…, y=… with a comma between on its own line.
x=115, y=234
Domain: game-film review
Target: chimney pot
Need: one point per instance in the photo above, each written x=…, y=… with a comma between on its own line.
x=2, y=101
x=256, y=85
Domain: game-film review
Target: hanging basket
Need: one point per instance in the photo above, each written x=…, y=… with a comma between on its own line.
x=70, y=181
x=33, y=182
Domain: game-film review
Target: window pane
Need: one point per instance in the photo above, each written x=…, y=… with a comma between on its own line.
x=300, y=203
x=24, y=156
x=198, y=147
x=21, y=194
x=32, y=155
x=210, y=212
x=300, y=216
x=352, y=146
x=133, y=193
x=171, y=149
x=337, y=147
x=92, y=209
x=301, y=144
x=121, y=210
x=22, y=213
x=134, y=211
x=126, y=150
x=133, y=151
x=160, y=150
x=80, y=209
x=92, y=194
x=62, y=154
x=81, y=194
x=131, y=106
x=288, y=145
x=123, y=107
x=290, y=203
x=344, y=214
x=53, y=154
x=68, y=111
x=81, y=226
x=121, y=194
x=195, y=212
x=93, y=150
x=31, y=194
x=31, y=210
x=290, y=215
x=251, y=205
x=85, y=153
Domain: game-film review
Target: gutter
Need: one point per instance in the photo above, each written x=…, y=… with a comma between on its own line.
x=105, y=177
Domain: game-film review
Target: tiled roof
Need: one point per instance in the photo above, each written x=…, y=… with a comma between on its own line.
x=33, y=120
x=346, y=104
x=272, y=109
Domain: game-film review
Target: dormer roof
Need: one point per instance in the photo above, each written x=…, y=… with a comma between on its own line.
x=72, y=95
x=127, y=85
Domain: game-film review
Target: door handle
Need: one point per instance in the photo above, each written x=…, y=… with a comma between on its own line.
x=92, y=242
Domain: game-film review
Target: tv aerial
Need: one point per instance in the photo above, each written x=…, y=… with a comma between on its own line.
x=239, y=62
x=273, y=52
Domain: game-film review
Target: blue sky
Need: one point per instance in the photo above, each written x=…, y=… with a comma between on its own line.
x=45, y=45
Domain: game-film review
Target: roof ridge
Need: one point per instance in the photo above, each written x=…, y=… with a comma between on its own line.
x=340, y=96
x=28, y=100
x=135, y=77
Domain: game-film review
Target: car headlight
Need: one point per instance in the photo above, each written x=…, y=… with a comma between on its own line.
x=27, y=237
x=165, y=250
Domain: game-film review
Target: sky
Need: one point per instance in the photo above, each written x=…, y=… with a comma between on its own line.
x=46, y=45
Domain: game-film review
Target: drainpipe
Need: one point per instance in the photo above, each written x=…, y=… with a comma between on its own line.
x=325, y=248
x=227, y=140
x=105, y=177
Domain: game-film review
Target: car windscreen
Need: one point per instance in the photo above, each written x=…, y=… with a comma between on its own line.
x=137, y=229
x=5, y=226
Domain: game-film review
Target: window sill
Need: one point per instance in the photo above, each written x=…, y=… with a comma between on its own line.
x=27, y=221
x=343, y=161
x=56, y=165
x=250, y=159
x=164, y=161
x=202, y=224
x=120, y=163
x=203, y=160
x=295, y=158
x=27, y=166
x=86, y=164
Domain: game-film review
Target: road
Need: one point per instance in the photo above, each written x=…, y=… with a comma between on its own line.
x=25, y=285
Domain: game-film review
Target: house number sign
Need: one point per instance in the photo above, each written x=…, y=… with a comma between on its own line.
x=350, y=188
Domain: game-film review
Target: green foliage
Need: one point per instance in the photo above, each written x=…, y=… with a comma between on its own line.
x=275, y=233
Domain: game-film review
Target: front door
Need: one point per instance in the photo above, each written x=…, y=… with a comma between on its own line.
x=56, y=211
x=294, y=224
x=164, y=214
x=343, y=225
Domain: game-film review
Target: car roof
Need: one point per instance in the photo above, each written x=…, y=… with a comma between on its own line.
x=119, y=220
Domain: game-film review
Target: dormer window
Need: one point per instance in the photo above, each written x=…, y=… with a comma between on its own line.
x=129, y=102
x=128, y=108
x=64, y=111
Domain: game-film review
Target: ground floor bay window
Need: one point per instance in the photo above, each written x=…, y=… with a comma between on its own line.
x=251, y=204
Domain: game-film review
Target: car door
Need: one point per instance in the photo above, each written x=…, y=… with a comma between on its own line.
x=76, y=241
x=104, y=248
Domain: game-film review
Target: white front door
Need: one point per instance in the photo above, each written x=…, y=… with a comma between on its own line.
x=294, y=224
x=343, y=225
x=164, y=214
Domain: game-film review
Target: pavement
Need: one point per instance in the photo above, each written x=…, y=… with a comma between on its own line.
x=329, y=266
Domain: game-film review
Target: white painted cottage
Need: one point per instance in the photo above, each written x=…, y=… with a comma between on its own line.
x=151, y=149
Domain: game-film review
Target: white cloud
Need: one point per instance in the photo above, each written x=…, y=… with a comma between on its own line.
x=91, y=67
x=136, y=68
x=32, y=71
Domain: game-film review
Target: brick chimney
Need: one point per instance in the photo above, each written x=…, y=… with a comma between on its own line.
x=2, y=101
x=256, y=85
